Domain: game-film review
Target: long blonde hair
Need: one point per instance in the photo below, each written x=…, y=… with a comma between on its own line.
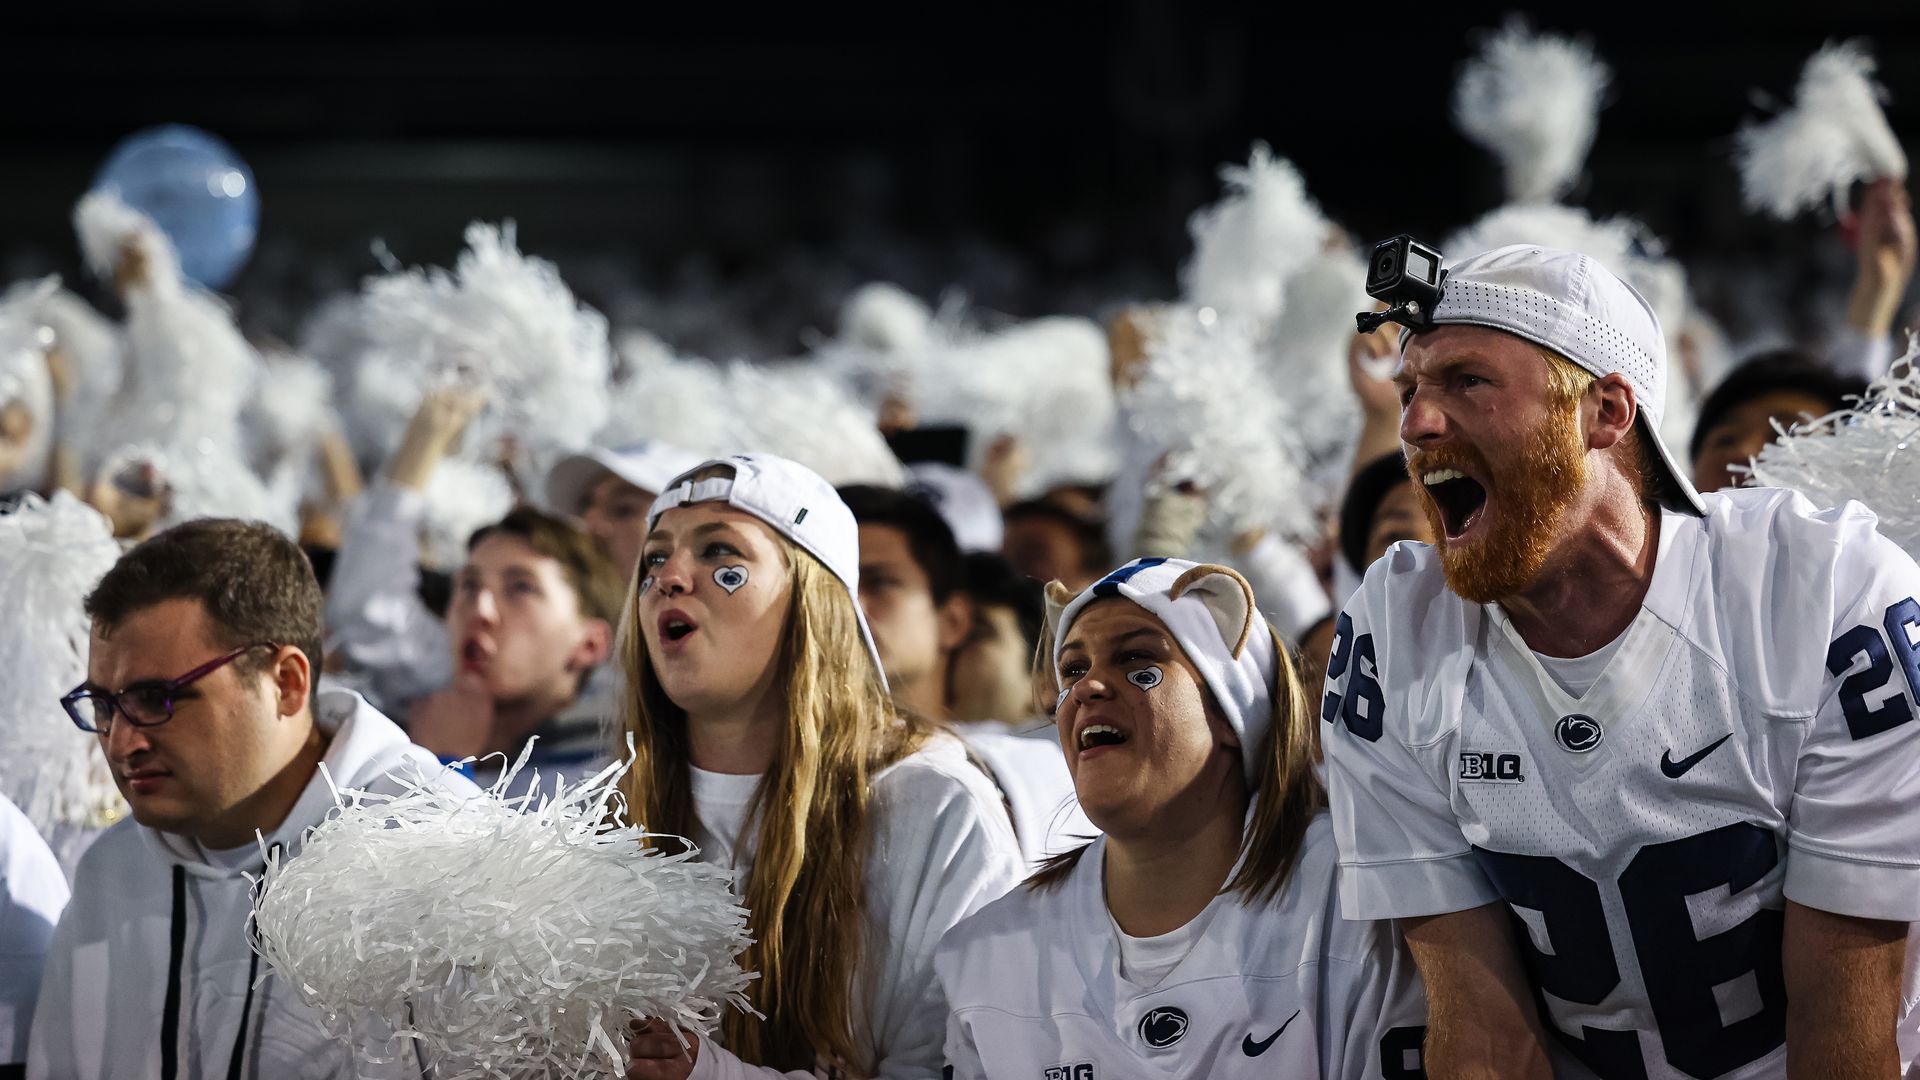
x=1285, y=795
x=806, y=891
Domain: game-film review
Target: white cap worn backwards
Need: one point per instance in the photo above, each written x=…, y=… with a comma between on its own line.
x=795, y=502
x=1569, y=303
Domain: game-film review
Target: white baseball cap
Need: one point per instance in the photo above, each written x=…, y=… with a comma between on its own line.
x=1569, y=303
x=1210, y=611
x=795, y=502
x=647, y=465
x=964, y=501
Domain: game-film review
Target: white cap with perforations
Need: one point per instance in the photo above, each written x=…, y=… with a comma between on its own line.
x=1569, y=303
x=795, y=502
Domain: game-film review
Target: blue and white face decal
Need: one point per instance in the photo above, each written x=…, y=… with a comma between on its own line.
x=646, y=584
x=730, y=578
x=1146, y=678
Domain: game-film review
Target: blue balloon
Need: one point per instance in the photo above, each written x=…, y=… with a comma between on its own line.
x=196, y=189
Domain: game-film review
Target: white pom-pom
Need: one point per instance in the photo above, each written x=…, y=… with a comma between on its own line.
x=681, y=402
x=1870, y=453
x=507, y=322
x=1835, y=134
x=292, y=409
x=886, y=318
x=1204, y=410
x=106, y=225
x=461, y=497
x=1533, y=101
x=502, y=937
x=52, y=554
x=801, y=412
x=1248, y=244
x=1308, y=360
x=1046, y=381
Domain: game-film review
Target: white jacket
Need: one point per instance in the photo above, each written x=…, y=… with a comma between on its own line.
x=942, y=849
x=33, y=890
x=150, y=975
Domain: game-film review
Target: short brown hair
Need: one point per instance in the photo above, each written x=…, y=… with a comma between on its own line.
x=254, y=582
x=582, y=557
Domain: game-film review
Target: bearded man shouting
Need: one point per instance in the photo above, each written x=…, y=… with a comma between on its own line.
x=1638, y=769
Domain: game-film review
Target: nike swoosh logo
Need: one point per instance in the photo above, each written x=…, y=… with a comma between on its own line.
x=1674, y=770
x=1255, y=1049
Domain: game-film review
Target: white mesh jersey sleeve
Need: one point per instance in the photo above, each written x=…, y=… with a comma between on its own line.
x=1389, y=726
x=1853, y=848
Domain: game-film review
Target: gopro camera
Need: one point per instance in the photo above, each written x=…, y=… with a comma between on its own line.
x=1406, y=275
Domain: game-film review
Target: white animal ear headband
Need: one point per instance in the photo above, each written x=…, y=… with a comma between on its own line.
x=1210, y=610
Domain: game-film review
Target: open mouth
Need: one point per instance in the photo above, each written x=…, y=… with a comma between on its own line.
x=1097, y=735
x=1460, y=498
x=474, y=655
x=674, y=626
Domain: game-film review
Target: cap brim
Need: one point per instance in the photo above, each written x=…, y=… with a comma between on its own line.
x=570, y=479
x=1676, y=479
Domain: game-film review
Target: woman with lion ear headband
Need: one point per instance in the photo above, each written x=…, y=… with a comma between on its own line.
x=1199, y=936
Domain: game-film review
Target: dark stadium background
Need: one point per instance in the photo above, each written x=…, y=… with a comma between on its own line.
x=1041, y=157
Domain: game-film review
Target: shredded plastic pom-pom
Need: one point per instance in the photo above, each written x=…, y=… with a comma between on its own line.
x=500, y=936
x=1835, y=134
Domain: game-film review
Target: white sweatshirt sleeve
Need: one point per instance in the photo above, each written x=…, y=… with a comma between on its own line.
x=33, y=892
x=375, y=617
x=1854, y=353
x=942, y=850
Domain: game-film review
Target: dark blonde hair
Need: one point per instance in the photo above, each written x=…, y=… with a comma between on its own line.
x=1285, y=794
x=1567, y=383
x=806, y=891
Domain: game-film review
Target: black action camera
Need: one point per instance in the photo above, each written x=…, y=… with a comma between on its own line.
x=1405, y=275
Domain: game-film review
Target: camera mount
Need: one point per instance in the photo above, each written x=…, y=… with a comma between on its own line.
x=1406, y=275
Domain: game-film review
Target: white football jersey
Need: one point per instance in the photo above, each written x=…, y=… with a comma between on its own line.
x=1281, y=989
x=1751, y=741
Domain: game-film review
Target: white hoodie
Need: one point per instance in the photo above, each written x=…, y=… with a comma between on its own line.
x=149, y=972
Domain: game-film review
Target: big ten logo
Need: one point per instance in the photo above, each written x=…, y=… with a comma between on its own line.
x=1487, y=767
x=1079, y=1070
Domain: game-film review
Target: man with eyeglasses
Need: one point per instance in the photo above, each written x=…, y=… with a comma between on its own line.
x=201, y=689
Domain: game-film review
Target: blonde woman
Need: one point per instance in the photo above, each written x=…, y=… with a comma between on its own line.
x=1200, y=935
x=765, y=734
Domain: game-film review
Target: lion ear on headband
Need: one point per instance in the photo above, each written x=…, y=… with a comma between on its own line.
x=1229, y=599
x=1058, y=597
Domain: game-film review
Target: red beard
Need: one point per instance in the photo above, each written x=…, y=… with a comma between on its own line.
x=1527, y=495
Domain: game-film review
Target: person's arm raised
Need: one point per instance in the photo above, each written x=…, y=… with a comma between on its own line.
x=1481, y=1020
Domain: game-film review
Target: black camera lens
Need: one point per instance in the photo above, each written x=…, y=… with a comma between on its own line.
x=1386, y=264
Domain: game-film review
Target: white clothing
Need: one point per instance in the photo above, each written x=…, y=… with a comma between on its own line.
x=394, y=645
x=1290, y=593
x=941, y=851
x=1030, y=769
x=1285, y=988
x=1145, y=962
x=33, y=892
x=113, y=973
x=721, y=802
x=1648, y=864
x=1577, y=674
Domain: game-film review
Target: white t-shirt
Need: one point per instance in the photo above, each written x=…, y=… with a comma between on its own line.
x=942, y=849
x=720, y=803
x=1752, y=740
x=33, y=893
x=1286, y=988
x=1145, y=962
